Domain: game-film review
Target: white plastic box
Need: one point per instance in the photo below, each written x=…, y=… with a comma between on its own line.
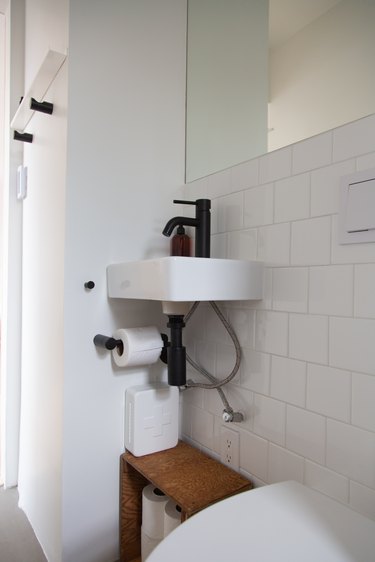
x=151, y=418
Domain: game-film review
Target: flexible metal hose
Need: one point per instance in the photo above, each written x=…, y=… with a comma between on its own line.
x=215, y=383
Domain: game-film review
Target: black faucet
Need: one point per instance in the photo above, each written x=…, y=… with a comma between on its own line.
x=202, y=224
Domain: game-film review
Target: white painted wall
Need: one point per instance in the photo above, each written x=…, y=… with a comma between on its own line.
x=2, y=139
x=125, y=162
x=2, y=127
x=320, y=78
x=12, y=248
x=307, y=379
x=40, y=463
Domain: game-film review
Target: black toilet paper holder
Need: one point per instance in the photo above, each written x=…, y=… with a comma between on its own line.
x=107, y=342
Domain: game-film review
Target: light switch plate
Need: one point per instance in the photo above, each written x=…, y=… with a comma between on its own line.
x=357, y=208
x=21, y=182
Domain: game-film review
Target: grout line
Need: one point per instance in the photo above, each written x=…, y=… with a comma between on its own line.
x=354, y=282
x=325, y=440
x=328, y=341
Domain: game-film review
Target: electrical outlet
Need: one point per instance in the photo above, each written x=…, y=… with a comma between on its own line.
x=230, y=448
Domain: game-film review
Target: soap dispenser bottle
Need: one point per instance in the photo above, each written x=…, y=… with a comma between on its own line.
x=180, y=243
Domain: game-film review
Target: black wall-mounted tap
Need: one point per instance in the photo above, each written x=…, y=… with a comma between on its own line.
x=201, y=222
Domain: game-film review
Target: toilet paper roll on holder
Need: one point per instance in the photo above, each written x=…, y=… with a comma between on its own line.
x=110, y=343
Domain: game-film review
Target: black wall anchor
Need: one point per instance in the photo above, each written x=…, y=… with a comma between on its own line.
x=89, y=285
x=107, y=342
x=24, y=137
x=42, y=106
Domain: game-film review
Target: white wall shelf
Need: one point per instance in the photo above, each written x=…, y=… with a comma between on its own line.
x=38, y=89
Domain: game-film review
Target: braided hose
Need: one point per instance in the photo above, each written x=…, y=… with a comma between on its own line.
x=215, y=383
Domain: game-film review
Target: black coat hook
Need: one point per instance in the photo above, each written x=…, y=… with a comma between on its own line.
x=24, y=137
x=42, y=106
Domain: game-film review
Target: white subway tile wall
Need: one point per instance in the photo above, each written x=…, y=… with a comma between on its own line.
x=284, y=465
x=362, y=499
x=292, y=198
x=288, y=380
x=310, y=241
x=325, y=187
x=274, y=244
x=366, y=162
x=308, y=337
x=305, y=433
x=331, y=290
x=312, y=153
x=290, y=289
x=306, y=383
x=258, y=206
x=254, y=454
x=245, y=175
x=327, y=481
x=354, y=139
x=364, y=296
x=242, y=245
x=322, y=395
x=363, y=401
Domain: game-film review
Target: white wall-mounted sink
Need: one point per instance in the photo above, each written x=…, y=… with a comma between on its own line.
x=284, y=522
x=185, y=279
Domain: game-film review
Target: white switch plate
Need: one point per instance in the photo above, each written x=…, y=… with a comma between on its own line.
x=357, y=208
x=21, y=182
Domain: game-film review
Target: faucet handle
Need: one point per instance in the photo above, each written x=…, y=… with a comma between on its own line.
x=184, y=202
x=201, y=204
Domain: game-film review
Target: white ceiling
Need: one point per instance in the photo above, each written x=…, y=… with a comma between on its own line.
x=287, y=17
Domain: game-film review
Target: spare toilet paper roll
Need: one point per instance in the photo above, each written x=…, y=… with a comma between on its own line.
x=147, y=544
x=153, y=504
x=140, y=346
x=172, y=517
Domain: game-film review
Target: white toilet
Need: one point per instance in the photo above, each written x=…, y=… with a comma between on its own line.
x=284, y=522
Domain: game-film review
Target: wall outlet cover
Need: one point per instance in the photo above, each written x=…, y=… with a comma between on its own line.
x=230, y=448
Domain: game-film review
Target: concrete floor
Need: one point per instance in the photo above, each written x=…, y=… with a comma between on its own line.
x=17, y=540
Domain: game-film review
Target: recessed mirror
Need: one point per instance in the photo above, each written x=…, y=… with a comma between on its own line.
x=265, y=74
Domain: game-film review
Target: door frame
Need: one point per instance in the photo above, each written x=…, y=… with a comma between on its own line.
x=11, y=298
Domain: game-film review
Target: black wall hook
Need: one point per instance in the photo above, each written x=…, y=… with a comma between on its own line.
x=42, y=106
x=24, y=137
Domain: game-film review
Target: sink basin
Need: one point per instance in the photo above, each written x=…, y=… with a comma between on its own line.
x=284, y=522
x=183, y=279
